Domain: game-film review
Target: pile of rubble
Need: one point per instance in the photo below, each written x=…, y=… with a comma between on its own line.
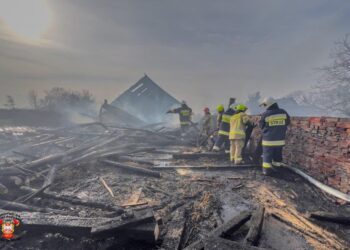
x=95, y=186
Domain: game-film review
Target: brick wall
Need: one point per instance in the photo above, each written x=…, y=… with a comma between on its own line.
x=321, y=147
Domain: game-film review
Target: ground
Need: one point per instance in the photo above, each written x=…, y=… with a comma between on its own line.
x=208, y=198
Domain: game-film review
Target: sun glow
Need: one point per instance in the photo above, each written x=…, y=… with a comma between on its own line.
x=26, y=18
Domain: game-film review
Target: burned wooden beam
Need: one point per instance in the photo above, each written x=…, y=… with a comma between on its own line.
x=197, y=245
x=330, y=217
x=232, y=225
x=17, y=206
x=174, y=236
x=50, y=176
x=127, y=158
x=256, y=223
x=111, y=228
x=217, y=243
x=148, y=232
x=37, y=192
x=209, y=168
x=138, y=170
x=193, y=156
x=75, y=201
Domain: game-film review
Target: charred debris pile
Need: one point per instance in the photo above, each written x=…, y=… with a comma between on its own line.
x=94, y=186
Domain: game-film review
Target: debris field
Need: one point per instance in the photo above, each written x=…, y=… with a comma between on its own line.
x=95, y=186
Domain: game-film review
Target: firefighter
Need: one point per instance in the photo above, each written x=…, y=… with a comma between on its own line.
x=206, y=127
x=237, y=136
x=220, y=109
x=224, y=130
x=273, y=122
x=185, y=115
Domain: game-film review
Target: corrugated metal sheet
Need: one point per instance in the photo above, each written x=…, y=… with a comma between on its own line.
x=146, y=100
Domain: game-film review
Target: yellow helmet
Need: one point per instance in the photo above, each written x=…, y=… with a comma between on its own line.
x=241, y=107
x=220, y=108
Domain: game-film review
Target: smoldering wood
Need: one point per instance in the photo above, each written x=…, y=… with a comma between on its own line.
x=193, y=156
x=111, y=228
x=127, y=158
x=50, y=176
x=174, y=236
x=330, y=217
x=214, y=243
x=74, y=200
x=17, y=206
x=197, y=245
x=232, y=225
x=37, y=192
x=210, y=168
x=256, y=223
x=137, y=170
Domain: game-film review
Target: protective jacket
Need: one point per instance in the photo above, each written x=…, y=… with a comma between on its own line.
x=207, y=123
x=274, y=124
x=238, y=124
x=185, y=114
x=218, y=120
x=225, y=122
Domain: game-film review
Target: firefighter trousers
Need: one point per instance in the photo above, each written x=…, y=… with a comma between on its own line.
x=236, y=150
x=222, y=140
x=272, y=156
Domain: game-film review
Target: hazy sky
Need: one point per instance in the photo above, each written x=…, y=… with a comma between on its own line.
x=202, y=51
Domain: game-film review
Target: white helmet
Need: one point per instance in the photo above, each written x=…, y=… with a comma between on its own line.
x=267, y=102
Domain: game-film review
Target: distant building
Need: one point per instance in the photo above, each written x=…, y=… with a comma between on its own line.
x=146, y=101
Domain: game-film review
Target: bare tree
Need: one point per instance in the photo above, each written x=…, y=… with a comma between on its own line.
x=335, y=81
x=60, y=98
x=10, y=102
x=33, y=99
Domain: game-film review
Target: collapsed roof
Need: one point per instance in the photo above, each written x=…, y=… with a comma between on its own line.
x=115, y=115
x=146, y=100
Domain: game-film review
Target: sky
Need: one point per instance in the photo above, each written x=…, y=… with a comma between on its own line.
x=201, y=51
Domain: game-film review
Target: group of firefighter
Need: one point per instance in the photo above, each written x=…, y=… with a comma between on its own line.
x=234, y=127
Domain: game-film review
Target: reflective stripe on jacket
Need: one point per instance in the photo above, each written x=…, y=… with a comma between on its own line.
x=225, y=122
x=238, y=126
x=274, y=124
x=185, y=114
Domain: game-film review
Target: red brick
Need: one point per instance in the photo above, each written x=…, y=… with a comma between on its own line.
x=331, y=119
x=343, y=125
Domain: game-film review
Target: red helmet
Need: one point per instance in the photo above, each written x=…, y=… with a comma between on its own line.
x=206, y=110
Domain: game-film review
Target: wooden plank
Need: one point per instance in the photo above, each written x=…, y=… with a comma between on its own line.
x=197, y=245
x=210, y=168
x=256, y=223
x=134, y=198
x=223, y=244
x=111, y=228
x=193, y=156
x=127, y=158
x=50, y=176
x=232, y=225
x=135, y=204
x=17, y=206
x=138, y=170
x=174, y=236
x=148, y=232
x=74, y=200
x=331, y=217
x=35, y=193
x=107, y=187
